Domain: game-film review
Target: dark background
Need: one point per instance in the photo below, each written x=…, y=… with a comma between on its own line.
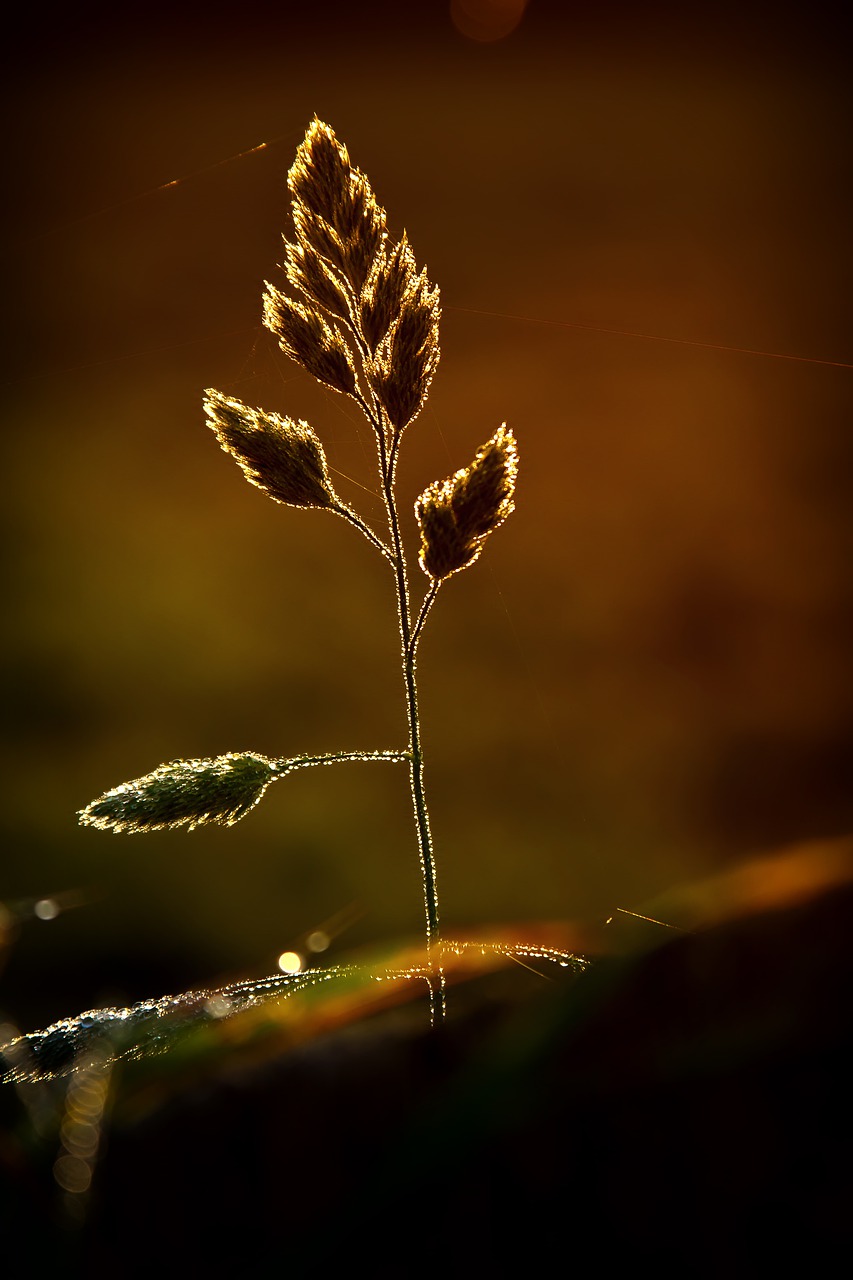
x=645, y=679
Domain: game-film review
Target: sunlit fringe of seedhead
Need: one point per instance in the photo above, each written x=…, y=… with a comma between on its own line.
x=279, y=455
x=334, y=206
x=458, y=514
x=381, y=314
x=393, y=275
x=305, y=337
x=404, y=364
x=184, y=793
x=310, y=275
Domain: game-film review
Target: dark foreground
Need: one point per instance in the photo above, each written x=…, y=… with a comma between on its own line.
x=686, y=1110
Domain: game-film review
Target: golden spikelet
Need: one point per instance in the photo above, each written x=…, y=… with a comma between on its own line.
x=407, y=357
x=321, y=173
x=341, y=262
x=457, y=515
x=334, y=209
x=279, y=455
x=314, y=233
x=317, y=279
x=392, y=276
x=304, y=336
x=363, y=233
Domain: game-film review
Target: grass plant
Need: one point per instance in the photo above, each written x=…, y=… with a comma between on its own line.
x=358, y=315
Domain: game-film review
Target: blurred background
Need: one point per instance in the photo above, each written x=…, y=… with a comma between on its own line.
x=636, y=218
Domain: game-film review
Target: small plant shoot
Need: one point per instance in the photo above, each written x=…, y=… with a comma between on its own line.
x=357, y=314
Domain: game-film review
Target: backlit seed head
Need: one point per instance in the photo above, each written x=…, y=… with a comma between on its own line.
x=321, y=174
x=392, y=276
x=279, y=455
x=304, y=336
x=317, y=279
x=457, y=515
x=406, y=359
x=334, y=209
x=313, y=232
x=184, y=793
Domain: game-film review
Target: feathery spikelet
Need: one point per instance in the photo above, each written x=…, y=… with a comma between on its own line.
x=184, y=792
x=342, y=263
x=457, y=515
x=407, y=357
x=363, y=232
x=304, y=336
x=321, y=173
x=279, y=455
x=317, y=279
x=393, y=274
x=314, y=233
x=334, y=209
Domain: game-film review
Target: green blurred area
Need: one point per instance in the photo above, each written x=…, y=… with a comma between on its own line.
x=646, y=676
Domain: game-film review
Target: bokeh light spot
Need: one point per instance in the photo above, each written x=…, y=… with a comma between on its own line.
x=290, y=962
x=72, y=1174
x=217, y=1006
x=486, y=20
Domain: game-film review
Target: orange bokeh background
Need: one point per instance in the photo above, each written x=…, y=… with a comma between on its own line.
x=647, y=676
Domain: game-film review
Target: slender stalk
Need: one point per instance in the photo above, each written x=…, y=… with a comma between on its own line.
x=408, y=637
x=337, y=757
x=422, y=616
x=348, y=514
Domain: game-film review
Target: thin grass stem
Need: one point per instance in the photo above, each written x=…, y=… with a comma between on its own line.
x=285, y=764
x=428, y=600
x=348, y=514
x=435, y=971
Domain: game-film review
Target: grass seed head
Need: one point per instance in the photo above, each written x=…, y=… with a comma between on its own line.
x=317, y=279
x=184, y=793
x=281, y=456
x=320, y=176
x=457, y=515
x=304, y=336
x=406, y=359
x=392, y=276
x=334, y=209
